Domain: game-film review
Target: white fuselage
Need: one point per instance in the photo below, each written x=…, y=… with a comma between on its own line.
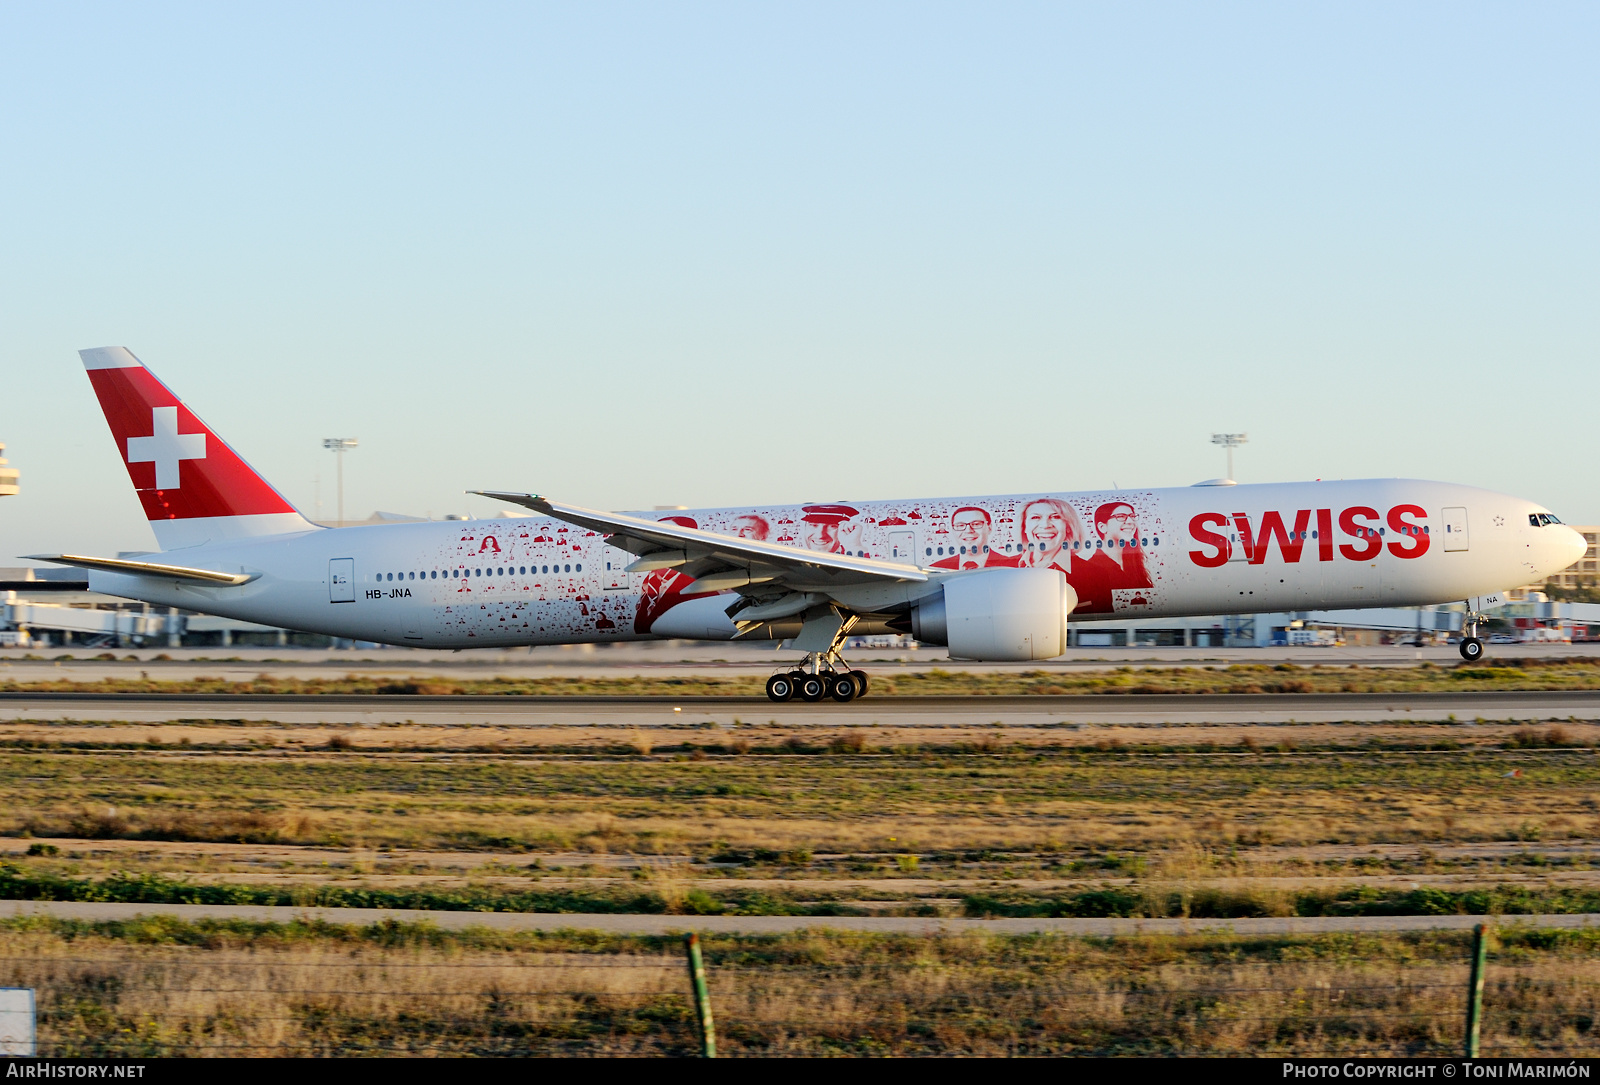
x=1173, y=552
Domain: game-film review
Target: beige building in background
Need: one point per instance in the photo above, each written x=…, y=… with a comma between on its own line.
x=8, y=476
x=1582, y=572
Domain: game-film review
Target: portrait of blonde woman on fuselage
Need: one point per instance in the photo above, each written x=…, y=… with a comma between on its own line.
x=1048, y=527
x=1053, y=537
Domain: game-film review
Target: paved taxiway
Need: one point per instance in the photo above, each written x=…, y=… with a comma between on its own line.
x=771, y=924
x=512, y=711
x=660, y=659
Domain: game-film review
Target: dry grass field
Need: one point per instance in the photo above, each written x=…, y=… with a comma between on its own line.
x=160, y=987
x=696, y=817
x=756, y=819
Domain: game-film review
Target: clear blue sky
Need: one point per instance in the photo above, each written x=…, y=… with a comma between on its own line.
x=643, y=254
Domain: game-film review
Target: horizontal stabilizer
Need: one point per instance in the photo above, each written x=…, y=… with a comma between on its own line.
x=146, y=568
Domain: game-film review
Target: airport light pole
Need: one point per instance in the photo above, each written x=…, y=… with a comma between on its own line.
x=339, y=446
x=1230, y=441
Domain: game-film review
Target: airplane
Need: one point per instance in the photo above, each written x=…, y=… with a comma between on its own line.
x=994, y=578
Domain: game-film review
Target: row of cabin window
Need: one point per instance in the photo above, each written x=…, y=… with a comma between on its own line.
x=931, y=550
x=1360, y=533
x=519, y=570
x=537, y=569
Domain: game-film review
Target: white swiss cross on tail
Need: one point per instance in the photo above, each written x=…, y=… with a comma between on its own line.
x=166, y=447
x=215, y=495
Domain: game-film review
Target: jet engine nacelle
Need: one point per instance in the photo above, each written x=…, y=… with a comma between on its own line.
x=998, y=615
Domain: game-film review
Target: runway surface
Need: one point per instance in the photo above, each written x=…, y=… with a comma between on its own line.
x=658, y=659
x=503, y=711
x=670, y=924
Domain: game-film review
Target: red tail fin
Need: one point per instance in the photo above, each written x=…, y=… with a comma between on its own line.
x=194, y=488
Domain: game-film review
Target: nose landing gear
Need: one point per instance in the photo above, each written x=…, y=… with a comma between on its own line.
x=1471, y=643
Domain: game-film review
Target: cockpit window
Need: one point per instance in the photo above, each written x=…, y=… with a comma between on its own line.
x=1540, y=519
x=1533, y=520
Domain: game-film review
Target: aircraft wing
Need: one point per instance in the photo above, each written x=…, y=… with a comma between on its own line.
x=146, y=568
x=720, y=562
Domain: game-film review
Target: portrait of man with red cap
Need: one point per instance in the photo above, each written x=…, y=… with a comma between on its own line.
x=829, y=528
x=969, y=533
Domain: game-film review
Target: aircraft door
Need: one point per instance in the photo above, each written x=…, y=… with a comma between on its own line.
x=342, y=580
x=1236, y=547
x=903, y=546
x=616, y=579
x=1455, y=528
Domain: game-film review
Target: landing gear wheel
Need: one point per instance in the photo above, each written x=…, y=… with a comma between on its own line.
x=861, y=682
x=1471, y=649
x=813, y=688
x=781, y=687
x=844, y=687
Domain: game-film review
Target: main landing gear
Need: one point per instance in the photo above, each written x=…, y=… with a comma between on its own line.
x=822, y=675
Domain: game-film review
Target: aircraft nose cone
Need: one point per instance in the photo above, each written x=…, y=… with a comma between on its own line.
x=1573, y=546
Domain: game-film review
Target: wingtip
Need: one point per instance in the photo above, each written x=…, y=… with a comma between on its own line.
x=506, y=495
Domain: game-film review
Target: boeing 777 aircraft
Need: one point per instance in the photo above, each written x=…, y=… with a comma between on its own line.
x=993, y=578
